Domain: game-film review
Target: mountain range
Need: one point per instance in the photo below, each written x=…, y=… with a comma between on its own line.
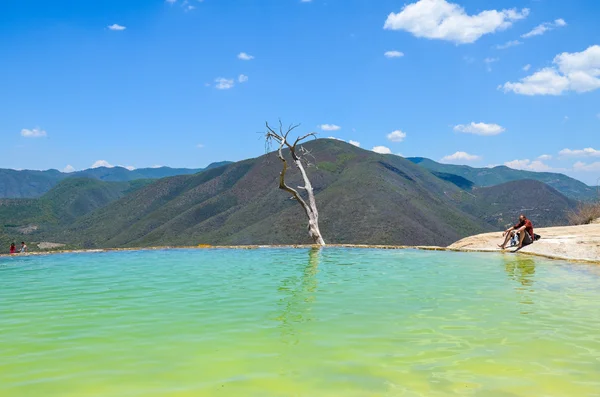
x=31, y=184
x=363, y=198
x=501, y=174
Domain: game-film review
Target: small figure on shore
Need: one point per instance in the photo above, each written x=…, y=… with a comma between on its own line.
x=13, y=248
x=525, y=230
x=23, y=247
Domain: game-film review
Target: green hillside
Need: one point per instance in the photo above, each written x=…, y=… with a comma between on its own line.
x=26, y=183
x=495, y=176
x=62, y=205
x=32, y=184
x=501, y=205
x=363, y=197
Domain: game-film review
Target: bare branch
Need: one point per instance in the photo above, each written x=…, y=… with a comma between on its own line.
x=299, y=139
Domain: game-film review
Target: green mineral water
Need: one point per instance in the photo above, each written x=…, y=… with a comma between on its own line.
x=298, y=322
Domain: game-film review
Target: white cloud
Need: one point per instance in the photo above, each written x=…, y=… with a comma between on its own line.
x=102, y=163
x=587, y=152
x=129, y=167
x=527, y=67
x=578, y=71
x=68, y=169
x=460, y=157
x=508, y=44
x=245, y=57
x=33, y=133
x=223, y=83
x=545, y=157
x=439, y=19
x=382, y=150
x=480, y=129
x=528, y=165
x=242, y=78
x=393, y=54
x=116, y=27
x=330, y=127
x=396, y=136
x=543, y=28
x=592, y=167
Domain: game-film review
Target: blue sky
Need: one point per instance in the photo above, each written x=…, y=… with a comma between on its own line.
x=135, y=83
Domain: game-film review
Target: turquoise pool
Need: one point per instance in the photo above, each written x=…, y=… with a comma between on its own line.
x=297, y=322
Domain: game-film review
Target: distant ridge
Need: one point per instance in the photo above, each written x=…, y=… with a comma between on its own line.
x=484, y=177
x=32, y=184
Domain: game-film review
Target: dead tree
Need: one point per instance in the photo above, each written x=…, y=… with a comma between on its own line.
x=310, y=208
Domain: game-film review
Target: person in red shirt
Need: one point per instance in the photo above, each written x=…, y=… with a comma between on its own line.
x=525, y=230
x=13, y=249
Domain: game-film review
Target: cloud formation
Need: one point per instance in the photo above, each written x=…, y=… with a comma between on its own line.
x=528, y=165
x=592, y=167
x=587, y=152
x=544, y=27
x=223, y=83
x=245, y=57
x=578, y=72
x=393, y=54
x=439, y=19
x=355, y=143
x=396, y=136
x=480, y=129
x=381, y=150
x=116, y=27
x=68, y=169
x=242, y=78
x=330, y=127
x=508, y=44
x=102, y=163
x=459, y=157
x=33, y=133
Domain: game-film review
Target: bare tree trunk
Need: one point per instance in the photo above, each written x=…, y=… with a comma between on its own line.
x=310, y=208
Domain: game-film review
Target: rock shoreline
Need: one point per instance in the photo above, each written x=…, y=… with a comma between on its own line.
x=571, y=243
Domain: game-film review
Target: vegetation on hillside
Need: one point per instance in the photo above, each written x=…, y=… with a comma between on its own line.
x=33, y=184
x=585, y=213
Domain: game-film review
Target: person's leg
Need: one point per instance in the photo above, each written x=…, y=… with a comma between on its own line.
x=523, y=237
x=507, y=239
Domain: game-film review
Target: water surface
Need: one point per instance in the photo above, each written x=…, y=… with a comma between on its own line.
x=285, y=322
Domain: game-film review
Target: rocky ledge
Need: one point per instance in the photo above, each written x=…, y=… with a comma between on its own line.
x=574, y=243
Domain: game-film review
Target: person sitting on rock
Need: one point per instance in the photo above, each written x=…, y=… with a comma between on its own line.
x=525, y=230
